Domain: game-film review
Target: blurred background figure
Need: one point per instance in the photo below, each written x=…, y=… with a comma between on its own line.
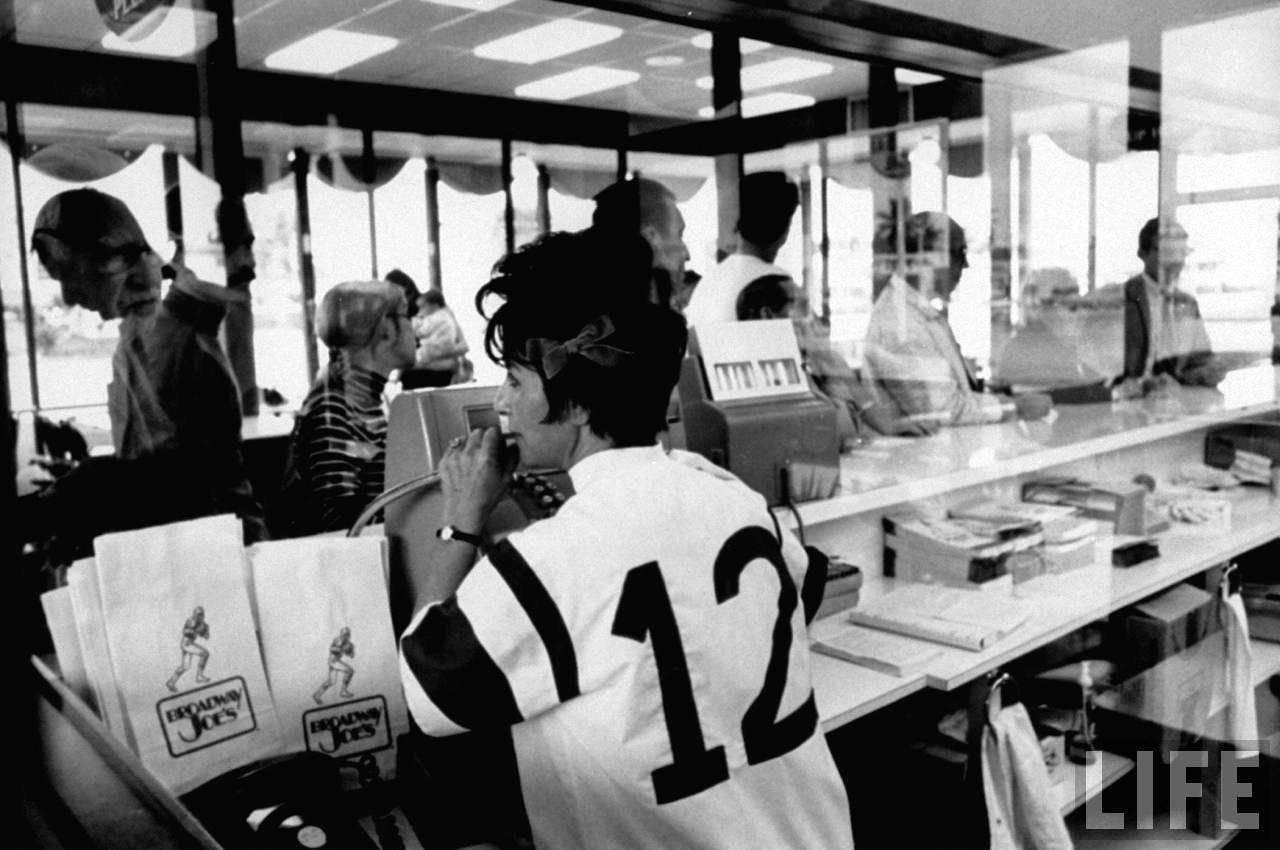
x=1165, y=341
x=645, y=208
x=338, y=445
x=441, y=354
x=173, y=403
x=911, y=353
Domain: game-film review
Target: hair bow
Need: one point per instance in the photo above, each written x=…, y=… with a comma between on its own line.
x=554, y=356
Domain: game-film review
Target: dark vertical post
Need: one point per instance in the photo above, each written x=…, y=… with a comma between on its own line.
x=544, y=200
x=300, y=164
x=806, y=233
x=434, y=277
x=622, y=164
x=17, y=150
x=509, y=211
x=824, y=243
x=219, y=119
x=173, y=198
x=367, y=177
x=726, y=100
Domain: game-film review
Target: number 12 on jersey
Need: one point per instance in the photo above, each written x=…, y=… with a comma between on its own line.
x=645, y=612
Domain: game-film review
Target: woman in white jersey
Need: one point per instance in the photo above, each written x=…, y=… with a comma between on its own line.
x=645, y=647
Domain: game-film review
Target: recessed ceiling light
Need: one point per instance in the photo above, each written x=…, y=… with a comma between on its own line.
x=179, y=33
x=763, y=104
x=329, y=51
x=473, y=5
x=745, y=45
x=781, y=71
x=774, y=73
x=664, y=61
x=576, y=83
x=547, y=41
x=908, y=77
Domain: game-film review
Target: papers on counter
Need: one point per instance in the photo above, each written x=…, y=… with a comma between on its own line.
x=969, y=619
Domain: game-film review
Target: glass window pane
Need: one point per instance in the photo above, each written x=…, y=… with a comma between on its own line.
x=279, y=341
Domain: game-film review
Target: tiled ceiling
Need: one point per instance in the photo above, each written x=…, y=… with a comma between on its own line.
x=436, y=40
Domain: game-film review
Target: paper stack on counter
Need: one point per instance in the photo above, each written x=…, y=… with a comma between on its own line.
x=872, y=648
x=959, y=552
x=954, y=616
x=1069, y=537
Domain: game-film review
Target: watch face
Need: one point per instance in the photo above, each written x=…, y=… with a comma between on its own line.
x=445, y=533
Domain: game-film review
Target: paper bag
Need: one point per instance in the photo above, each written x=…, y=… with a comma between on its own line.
x=330, y=650
x=86, y=605
x=184, y=649
x=61, y=620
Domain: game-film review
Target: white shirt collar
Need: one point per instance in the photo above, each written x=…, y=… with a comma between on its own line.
x=606, y=466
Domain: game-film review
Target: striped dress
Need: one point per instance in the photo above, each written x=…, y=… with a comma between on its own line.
x=337, y=451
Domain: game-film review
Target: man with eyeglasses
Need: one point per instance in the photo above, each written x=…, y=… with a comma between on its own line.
x=912, y=354
x=173, y=402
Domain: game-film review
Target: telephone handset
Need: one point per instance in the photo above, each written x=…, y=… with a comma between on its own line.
x=291, y=801
x=533, y=495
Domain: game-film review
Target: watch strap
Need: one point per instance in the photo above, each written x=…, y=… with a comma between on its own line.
x=452, y=532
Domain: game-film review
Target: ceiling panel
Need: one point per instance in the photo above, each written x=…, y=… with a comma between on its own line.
x=406, y=19
x=59, y=23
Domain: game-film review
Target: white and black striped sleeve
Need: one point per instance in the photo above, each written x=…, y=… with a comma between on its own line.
x=497, y=653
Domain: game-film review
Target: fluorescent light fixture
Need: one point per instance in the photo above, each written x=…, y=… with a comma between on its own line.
x=180, y=33
x=329, y=51
x=576, y=83
x=908, y=77
x=473, y=5
x=763, y=104
x=774, y=73
x=782, y=71
x=547, y=41
x=745, y=45
x=664, y=61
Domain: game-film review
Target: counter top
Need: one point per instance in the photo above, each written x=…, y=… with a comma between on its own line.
x=1062, y=603
x=892, y=470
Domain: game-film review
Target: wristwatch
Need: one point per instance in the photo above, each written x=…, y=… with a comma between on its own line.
x=449, y=532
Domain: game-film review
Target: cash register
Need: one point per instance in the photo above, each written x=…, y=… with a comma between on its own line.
x=746, y=405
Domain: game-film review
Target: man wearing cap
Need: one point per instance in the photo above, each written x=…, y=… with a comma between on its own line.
x=173, y=403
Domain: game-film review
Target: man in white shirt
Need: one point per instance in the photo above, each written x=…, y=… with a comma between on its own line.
x=767, y=200
x=911, y=353
x=1165, y=342
x=645, y=647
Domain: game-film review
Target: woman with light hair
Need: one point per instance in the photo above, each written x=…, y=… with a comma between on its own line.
x=338, y=445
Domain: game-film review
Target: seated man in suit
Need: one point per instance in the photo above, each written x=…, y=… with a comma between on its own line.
x=1165, y=342
x=911, y=353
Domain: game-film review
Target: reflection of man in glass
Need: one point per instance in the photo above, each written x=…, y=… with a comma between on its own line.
x=1165, y=342
x=646, y=208
x=173, y=403
x=910, y=350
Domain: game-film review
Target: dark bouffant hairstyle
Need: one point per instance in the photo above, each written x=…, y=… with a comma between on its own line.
x=564, y=284
x=767, y=200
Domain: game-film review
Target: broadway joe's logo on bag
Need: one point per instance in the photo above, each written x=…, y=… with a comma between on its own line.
x=345, y=728
x=210, y=713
